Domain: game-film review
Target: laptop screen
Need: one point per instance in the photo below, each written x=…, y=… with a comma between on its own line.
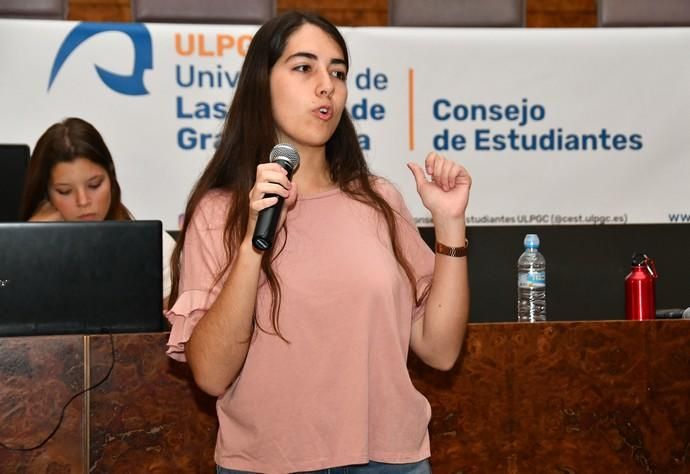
x=80, y=277
x=13, y=163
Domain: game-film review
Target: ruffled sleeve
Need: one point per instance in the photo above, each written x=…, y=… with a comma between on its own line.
x=203, y=258
x=168, y=248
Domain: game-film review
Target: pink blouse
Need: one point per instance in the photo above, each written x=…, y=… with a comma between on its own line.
x=339, y=392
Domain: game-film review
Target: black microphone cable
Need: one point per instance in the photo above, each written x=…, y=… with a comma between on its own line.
x=64, y=408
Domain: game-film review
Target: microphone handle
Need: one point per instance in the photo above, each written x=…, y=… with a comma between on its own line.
x=266, y=224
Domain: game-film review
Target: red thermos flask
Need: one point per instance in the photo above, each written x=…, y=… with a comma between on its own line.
x=639, y=289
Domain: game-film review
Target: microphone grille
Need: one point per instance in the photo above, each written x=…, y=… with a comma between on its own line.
x=287, y=152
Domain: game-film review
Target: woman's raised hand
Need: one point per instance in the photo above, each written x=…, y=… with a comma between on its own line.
x=446, y=191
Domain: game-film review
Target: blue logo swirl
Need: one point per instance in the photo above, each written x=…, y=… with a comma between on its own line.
x=143, y=55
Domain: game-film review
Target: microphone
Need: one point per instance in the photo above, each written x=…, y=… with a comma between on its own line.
x=287, y=157
x=675, y=313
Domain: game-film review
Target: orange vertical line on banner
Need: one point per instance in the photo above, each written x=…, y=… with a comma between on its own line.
x=410, y=77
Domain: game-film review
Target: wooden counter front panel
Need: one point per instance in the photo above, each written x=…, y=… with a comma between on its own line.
x=610, y=397
x=37, y=377
x=605, y=397
x=149, y=416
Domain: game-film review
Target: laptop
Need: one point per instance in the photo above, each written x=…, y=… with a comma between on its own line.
x=13, y=163
x=80, y=277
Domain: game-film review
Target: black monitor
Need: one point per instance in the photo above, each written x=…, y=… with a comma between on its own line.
x=13, y=163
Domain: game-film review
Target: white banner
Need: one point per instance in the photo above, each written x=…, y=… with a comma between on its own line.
x=575, y=126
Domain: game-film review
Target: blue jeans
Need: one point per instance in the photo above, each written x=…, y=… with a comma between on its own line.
x=421, y=467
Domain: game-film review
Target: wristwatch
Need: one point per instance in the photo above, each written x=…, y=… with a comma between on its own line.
x=452, y=251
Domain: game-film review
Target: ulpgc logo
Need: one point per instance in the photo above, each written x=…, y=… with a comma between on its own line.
x=132, y=84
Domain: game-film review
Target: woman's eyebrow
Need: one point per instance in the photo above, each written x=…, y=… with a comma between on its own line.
x=313, y=57
x=302, y=54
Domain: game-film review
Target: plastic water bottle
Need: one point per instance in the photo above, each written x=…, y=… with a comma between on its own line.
x=531, y=279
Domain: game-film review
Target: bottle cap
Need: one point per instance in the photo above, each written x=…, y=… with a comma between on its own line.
x=638, y=259
x=531, y=241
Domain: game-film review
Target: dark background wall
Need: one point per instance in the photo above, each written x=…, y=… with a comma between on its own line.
x=586, y=267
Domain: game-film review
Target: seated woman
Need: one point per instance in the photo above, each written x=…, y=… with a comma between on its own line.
x=71, y=177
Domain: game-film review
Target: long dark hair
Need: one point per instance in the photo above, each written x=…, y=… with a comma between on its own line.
x=249, y=134
x=65, y=142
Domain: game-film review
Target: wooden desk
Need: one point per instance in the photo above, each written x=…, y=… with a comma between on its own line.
x=591, y=397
